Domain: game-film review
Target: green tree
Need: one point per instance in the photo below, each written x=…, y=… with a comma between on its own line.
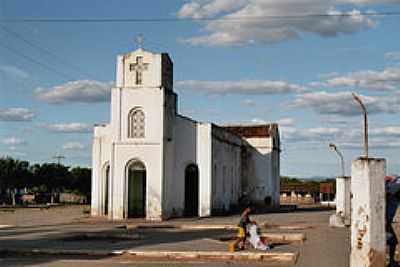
x=81, y=180
x=54, y=177
x=14, y=175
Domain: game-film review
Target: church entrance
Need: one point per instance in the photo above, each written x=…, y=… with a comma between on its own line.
x=136, y=190
x=106, y=189
x=191, y=191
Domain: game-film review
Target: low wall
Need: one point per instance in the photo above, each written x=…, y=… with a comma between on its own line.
x=72, y=198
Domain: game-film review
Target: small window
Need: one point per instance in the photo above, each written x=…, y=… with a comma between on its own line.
x=136, y=124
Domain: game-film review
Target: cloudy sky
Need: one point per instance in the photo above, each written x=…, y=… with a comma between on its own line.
x=295, y=62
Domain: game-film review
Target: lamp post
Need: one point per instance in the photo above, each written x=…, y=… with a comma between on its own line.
x=334, y=148
x=364, y=109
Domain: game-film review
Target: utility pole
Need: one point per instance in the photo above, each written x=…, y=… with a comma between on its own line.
x=58, y=158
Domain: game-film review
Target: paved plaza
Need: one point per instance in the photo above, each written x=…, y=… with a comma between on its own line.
x=90, y=241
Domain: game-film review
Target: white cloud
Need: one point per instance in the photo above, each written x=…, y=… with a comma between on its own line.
x=344, y=137
x=342, y=103
x=83, y=91
x=16, y=114
x=207, y=9
x=395, y=56
x=7, y=70
x=389, y=131
x=292, y=134
x=283, y=123
x=13, y=141
x=73, y=127
x=270, y=21
x=248, y=103
x=73, y=146
x=387, y=79
x=240, y=87
x=286, y=122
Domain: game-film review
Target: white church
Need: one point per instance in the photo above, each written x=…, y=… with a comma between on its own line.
x=152, y=162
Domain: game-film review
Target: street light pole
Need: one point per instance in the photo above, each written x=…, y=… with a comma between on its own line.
x=358, y=99
x=333, y=147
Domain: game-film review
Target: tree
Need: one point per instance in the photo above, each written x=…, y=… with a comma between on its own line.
x=81, y=180
x=14, y=175
x=53, y=176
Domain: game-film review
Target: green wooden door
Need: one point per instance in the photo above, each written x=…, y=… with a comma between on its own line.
x=136, y=193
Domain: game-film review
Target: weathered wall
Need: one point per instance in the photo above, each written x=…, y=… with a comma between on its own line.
x=262, y=173
x=368, y=236
x=343, y=193
x=226, y=173
x=184, y=152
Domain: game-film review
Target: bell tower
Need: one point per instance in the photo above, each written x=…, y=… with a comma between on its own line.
x=141, y=68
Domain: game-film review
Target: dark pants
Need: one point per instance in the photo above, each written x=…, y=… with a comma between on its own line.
x=392, y=243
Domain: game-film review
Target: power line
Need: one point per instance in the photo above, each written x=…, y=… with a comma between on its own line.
x=239, y=18
x=14, y=51
x=44, y=50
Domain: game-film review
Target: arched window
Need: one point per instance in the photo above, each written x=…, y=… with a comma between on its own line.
x=136, y=124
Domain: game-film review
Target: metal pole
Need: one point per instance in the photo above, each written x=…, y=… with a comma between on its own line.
x=333, y=146
x=358, y=99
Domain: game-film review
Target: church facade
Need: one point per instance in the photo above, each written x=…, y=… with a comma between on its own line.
x=151, y=162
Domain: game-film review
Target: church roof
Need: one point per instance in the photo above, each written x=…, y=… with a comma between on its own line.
x=260, y=130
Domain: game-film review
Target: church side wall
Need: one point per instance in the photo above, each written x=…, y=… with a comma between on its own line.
x=226, y=174
x=262, y=172
x=183, y=153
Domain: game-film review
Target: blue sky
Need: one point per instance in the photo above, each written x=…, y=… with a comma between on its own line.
x=278, y=63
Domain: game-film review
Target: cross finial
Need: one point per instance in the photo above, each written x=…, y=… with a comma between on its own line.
x=139, y=40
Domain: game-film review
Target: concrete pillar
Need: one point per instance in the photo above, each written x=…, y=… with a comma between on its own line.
x=343, y=192
x=342, y=216
x=368, y=237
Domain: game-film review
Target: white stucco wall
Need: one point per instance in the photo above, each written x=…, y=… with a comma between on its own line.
x=150, y=98
x=368, y=236
x=151, y=155
x=151, y=77
x=343, y=194
x=203, y=155
x=184, y=153
x=101, y=157
x=226, y=169
x=263, y=171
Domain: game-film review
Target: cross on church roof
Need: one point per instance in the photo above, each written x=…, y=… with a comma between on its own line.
x=139, y=40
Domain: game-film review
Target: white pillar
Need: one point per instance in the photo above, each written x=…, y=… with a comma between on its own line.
x=368, y=237
x=343, y=190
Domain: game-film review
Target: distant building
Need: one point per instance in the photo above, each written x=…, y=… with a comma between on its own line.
x=151, y=162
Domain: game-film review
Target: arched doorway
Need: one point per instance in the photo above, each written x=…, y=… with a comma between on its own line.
x=191, y=190
x=136, y=190
x=106, y=188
